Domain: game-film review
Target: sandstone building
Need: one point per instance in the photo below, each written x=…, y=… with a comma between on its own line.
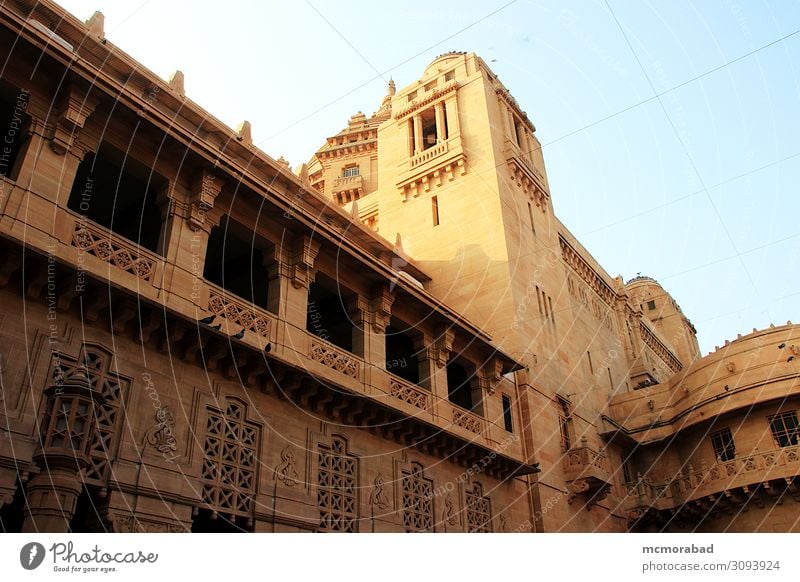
x=399, y=336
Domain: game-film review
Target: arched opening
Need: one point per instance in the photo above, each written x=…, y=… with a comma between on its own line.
x=115, y=191
x=235, y=262
x=327, y=315
x=460, y=390
x=13, y=514
x=401, y=353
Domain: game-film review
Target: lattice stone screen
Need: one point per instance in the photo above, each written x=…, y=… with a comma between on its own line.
x=479, y=514
x=229, y=468
x=337, y=492
x=417, y=500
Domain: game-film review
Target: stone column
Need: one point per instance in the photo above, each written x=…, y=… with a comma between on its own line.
x=440, y=133
x=289, y=279
x=417, y=134
x=452, y=117
x=439, y=354
x=189, y=216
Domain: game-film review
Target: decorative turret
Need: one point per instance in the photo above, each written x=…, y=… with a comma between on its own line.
x=665, y=314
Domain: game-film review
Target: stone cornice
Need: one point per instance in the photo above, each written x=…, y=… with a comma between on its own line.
x=426, y=99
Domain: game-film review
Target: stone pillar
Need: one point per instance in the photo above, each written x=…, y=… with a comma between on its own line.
x=418, y=145
x=189, y=217
x=289, y=279
x=452, y=117
x=439, y=111
x=439, y=354
x=370, y=319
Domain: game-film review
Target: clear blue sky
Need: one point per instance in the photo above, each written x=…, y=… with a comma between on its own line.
x=699, y=190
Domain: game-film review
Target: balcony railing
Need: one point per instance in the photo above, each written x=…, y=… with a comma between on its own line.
x=347, y=183
x=586, y=472
x=114, y=250
x=467, y=420
x=743, y=472
x=409, y=393
x=335, y=358
x=428, y=154
x=238, y=312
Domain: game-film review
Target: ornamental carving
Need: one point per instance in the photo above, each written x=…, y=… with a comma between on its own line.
x=337, y=496
x=449, y=511
x=334, y=358
x=378, y=496
x=238, y=312
x=205, y=189
x=95, y=363
x=586, y=272
x=479, y=514
x=230, y=474
x=417, y=500
x=285, y=472
x=112, y=250
x=161, y=435
x=409, y=394
x=441, y=348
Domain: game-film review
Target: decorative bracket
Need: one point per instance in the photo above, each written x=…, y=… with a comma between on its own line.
x=205, y=189
x=380, y=309
x=490, y=374
x=74, y=107
x=301, y=261
x=442, y=346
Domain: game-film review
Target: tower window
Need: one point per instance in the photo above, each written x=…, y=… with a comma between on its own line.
x=724, y=447
x=429, y=134
x=784, y=428
x=435, y=208
x=350, y=171
x=651, y=305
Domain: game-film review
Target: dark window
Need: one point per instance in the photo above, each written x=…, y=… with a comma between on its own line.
x=509, y=426
x=429, y=135
x=530, y=214
x=626, y=469
x=114, y=191
x=351, y=171
x=724, y=448
x=327, y=315
x=435, y=207
x=784, y=428
x=651, y=305
x=459, y=390
x=401, y=356
x=235, y=263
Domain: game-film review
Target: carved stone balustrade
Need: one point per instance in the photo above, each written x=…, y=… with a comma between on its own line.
x=587, y=473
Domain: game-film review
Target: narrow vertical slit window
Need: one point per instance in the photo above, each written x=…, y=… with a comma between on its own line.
x=507, y=419
x=435, y=209
x=530, y=215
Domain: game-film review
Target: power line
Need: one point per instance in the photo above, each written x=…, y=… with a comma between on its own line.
x=683, y=146
x=673, y=88
x=390, y=69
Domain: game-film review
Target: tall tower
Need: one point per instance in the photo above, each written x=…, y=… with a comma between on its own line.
x=463, y=184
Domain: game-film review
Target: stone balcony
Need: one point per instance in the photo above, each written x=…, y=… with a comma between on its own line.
x=724, y=485
x=348, y=188
x=587, y=473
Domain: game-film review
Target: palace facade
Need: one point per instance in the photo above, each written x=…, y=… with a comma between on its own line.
x=398, y=336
